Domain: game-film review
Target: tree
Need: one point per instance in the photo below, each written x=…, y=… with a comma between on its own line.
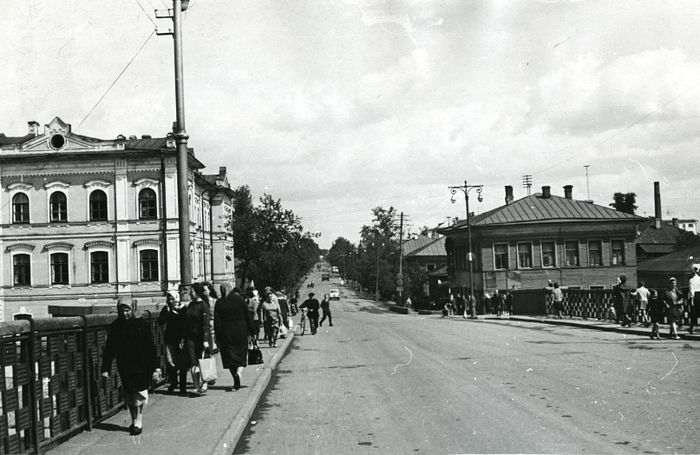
x=625, y=202
x=378, y=253
x=686, y=240
x=341, y=255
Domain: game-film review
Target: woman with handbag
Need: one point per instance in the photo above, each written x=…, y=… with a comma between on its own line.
x=196, y=334
x=172, y=317
x=272, y=318
x=233, y=326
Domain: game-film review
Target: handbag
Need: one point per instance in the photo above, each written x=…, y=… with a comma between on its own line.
x=207, y=368
x=255, y=356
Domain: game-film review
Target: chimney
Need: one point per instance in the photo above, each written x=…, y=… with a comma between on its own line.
x=657, y=206
x=509, y=194
x=33, y=128
x=568, y=189
x=546, y=193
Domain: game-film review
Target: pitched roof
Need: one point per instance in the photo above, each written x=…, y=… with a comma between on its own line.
x=678, y=262
x=536, y=209
x=424, y=246
x=667, y=235
x=147, y=144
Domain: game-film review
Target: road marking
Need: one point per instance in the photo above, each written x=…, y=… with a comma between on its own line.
x=404, y=364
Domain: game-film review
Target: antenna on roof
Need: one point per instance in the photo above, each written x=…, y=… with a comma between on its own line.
x=527, y=182
x=588, y=191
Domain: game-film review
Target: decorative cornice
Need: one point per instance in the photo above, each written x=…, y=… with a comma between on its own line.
x=58, y=245
x=146, y=182
x=19, y=246
x=19, y=186
x=155, y=242
x=97, y=244
x=57, y=184
x=97, y=183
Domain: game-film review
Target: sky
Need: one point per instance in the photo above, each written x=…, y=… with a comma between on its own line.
x=339, y=106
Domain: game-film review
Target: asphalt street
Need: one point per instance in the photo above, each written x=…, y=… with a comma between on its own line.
x=380, y=382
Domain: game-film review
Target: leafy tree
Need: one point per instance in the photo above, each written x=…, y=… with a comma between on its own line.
x=341, y=254
x=686, y=240
x=378, y=253
x=625, y=202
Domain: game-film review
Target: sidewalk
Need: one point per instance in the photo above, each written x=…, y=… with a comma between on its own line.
x=174, y=424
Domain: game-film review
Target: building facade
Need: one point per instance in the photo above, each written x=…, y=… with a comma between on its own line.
x=525, y=243
x=86, y=220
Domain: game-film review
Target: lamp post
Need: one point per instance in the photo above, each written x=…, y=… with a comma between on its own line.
x=181, y=144
x=466, y=189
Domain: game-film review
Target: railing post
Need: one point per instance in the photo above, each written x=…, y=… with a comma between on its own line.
x=32, y=382
x=87, y=368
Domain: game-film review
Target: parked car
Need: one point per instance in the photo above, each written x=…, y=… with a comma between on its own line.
x=325, y=276
x=334, y=294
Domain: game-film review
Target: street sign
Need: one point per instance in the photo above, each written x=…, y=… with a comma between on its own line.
x=399, y=281
x=399, y=288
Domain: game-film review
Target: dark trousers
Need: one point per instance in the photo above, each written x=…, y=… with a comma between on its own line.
x=313, y=322
x=328, y=315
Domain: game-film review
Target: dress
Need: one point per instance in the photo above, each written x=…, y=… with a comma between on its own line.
x=196, y=331
x=657, y=310
x=233, y=323
x=672, y=300
x=130, y=343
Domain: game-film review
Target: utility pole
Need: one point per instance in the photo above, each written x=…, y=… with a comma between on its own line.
x=466, y=188
x=588, y=191
x=376, y=281
x=399, y=278
x=181, y=143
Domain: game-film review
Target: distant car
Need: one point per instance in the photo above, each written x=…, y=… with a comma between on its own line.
x=325, y=277
x=334, y=294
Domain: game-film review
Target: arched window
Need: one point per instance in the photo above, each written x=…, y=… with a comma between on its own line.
x=20, y=208
x=99, y=267
x=21, y=270
x=59, y=268
x=148, y=209
x=148, y=260
x=98, y=206
x=58, y=207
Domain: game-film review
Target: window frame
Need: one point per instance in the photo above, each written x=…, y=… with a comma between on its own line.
x=52, y=274
x=495, y=255
x=64, y=210
x=141, y=252
x=566, y=253
x=92, y=267
x=24, y=208
x=29, y=270
x=554, y=254
x=612, y=252
x=90, y=207
x=517, y=250
x=149, y=213
x=600, y=252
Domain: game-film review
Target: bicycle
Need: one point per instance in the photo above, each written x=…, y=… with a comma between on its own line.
x=302, y=322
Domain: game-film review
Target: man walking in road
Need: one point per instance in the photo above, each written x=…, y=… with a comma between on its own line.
x=621, y=293
x=694, y=297
x=312, y=306
x=326, y=310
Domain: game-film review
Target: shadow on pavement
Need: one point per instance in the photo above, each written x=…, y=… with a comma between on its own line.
x=111, y=427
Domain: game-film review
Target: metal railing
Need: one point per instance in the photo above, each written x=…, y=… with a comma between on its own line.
x=50, y=381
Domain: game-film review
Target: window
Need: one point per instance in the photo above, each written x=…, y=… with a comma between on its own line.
x=59, y=268
x=524, y=255
x=149, y=265
x=99, y=267
x=98, y=206
x=58, y=207
x=147, y=204
x=595, y=256
x=571, y=254
x=20, y=208
x=618, y=252
x=549, y=256
x=500, y=256
x=21, y=270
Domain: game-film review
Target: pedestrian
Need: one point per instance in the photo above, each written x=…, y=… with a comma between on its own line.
x=130, y=343
x=451, y=306
x=471, y=302
x=196, y=334
x=209, y=298
x=312, y=306
x=461, y=308
x=694, y=297
x=326, y=310
x=497, y=302
x=233, y=327
x=623, y=306
x=284, y=309
x=294, y=304
x=657, y=311
x=172, y=317
x=409, y=304
x=271, y=310
x=509, y=302
x=641, y=295
x=549, y=299
x=673, y=301
x=254, y=308
x=557, y=301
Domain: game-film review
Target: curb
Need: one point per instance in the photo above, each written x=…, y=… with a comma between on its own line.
x=239, y=423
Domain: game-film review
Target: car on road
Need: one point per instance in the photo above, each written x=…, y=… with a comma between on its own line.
x=325, y=276
x=334, y=294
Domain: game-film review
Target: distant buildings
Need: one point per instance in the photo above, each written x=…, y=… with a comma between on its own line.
x=542, y=237
x=86, y=220
x=427, y=254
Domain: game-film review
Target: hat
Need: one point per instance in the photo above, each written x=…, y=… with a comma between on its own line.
x=311, y=294
x=174, y=294
x=124, y=302
x=696, y=267
x=673, y=279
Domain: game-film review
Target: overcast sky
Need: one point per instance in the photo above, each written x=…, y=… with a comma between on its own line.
x=339, y=106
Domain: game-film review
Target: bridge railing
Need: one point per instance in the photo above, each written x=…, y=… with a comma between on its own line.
x=50, y=381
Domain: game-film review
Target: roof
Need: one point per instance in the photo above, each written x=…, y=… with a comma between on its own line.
x=667, y=235
x=442, y=271
x=536, y=209
x=147, y=144
x=5, y=140
x=424, y=246
x=656, y=249
x=678, y=262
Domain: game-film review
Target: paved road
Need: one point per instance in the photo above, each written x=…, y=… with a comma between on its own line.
x=379, y=382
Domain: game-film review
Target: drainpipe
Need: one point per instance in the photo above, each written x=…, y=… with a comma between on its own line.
x=164, y=224
x=211, y=234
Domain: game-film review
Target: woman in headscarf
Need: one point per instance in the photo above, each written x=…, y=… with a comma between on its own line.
x=272, y=318
x=172, y=317
x=196, y=334
x=233, y=325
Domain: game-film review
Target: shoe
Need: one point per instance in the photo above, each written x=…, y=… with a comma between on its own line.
x=676, y=337
x=332, y=326
x=658, y=337
x=236, y=381
x=137, y=431
x=131, y=429
x=690, y=331
x=171, y=388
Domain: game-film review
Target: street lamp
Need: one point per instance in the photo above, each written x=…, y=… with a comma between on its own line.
x=470, y=257
x=181, y=143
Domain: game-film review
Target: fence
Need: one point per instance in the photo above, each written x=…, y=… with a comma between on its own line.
x=50, y=381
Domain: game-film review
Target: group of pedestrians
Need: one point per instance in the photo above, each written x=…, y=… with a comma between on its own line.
x=311, y=307
x=498, y=303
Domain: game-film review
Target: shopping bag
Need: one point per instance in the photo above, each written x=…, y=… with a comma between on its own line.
x=207, y=368
x=255, y=356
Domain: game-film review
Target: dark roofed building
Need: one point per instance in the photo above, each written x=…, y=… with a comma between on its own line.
x=542, y=237
x=654, y=241
x=426, y=254
x=655, y=272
